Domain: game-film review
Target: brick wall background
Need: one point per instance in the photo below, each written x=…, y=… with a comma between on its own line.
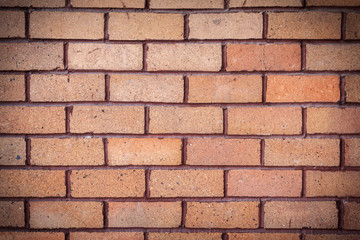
x=180, y=119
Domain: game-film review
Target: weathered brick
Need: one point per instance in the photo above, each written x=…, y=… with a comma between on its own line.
x=32, y=235
x=340, y=184
x=226, y=88
x=265, y=3
x=281, y=214
x=12, y=151
x=32, y=3
x=184, y=56
x=12, y=24
x=12, y=88
x=31, y=56
x=147, y=88
x=186, y=183
x=61, y=214
x=333, y=237
x=352, y=88
x=352, y=25
x=107, y=119
x=12, y=214
x=186, y=120
x=282, y=88
x=264, y=120
x=108, y=3
x=263, y=236
x=302, y=152
x=260, y=57
x=187, y=4
x=222, y=215
x=145, y=214
x=32, y=183
x=352, y=152
x=352, y=215
x=144, y=151
x=333, y=3
x=187, y=236
x=107, y=235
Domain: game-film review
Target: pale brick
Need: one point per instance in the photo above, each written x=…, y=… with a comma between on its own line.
x=107, y=235
x=352, y=152
x=32, y=3
x=12, y=214
x=333, y=3
x=263, y=236
x=353, y=25
x=12, y=24
x=12, y=88
x=186, y=4
x=352, y=88
x=333, y=237
x=12, y=151
x=265, y=3
x=108, y=3
x=187, y=236
x=31, y=236
x=352, y=215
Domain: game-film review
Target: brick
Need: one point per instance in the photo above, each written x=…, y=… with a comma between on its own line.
x=240, y=25
x=32, y=235
x=145, y=214
x=333, y=237
x=263, y=236
x=184, y=56
x=302, y=152
x=60, y=214
x=265, y=3
x=32, y=3
x=12, y=214
x=108, y=3
x=352, y=152
x=186, y=4
x=31, y=56
x=147, y=88
x=32, y=183
x=105, y=56
x=144, y=151
x=65, y=88
x=282, y=214
x=186, y=183
x=12, y=151
x=333, y=3
x=264, y=120
x=336, y=57
x=142, y=26
x=340, y=184
x=107, y=235
x=12, y=88
x=67, y=25
x=262, y=57
x=352, y=25
x=107, y=119
x=352, y=88
x=220, y=151
x=333, y=120
x=352, y=215
x=12, y=24
x=226, y=88
x=315, y=88
x=32, y=119
x=222, y=215
x=187, y=236
x=67, y=151
x=107, y=183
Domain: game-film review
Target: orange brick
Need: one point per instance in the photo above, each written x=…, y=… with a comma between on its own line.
x=352, y=25
x=141, y=26
x=67, y=151
x=147, y=88
x=32, y=119
x=31, y=56
x=12, y=151
x=108, y=3
x=333, y=120
x=226, y=88
x=32, y=235
x=222, y=215
x=240, y=25
x=187, y=4
x=352, y=215
x=281, y=214
x=107, y=119
x=302, y=152
x=60, y=214
x=264, y=120
x=337, y=57
x=186, y=183
x=12, y=88
x=144, y=151
x=33, y=3
x=32, y=183
x=333, y=237
x=220, y=151
x=281, y=88
x=263, y=236
x=187, y=236
x=340, y=184
x=352, y=152
x=332, y=3
x=105, y=56
x=12, y=24
x=107, y=235
x=184, y=56
x=145, y=214
x=12, y=214
x=352, y=88
x=186, y=120
x=265, y=3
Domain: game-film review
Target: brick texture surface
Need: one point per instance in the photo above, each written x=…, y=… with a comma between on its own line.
x=265, y=3
x=32, y=3
x=352, y=88
x=187, y=4
x=12, y=151
x=263, y=236
x=108, y=3
x=32, y=235
x=349, y=3
x=353, y=25
x=352, y=152
x=12, y=24
x=12, y=214
x=188, y=236
x=107, y=235
x=12, y=88
x=351, y=217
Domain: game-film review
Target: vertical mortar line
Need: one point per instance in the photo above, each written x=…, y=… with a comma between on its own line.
x=262, y=152
x=304, y=120
x=303, y=188
x=342, y=154
x=145, y=50
x=264, y=88
x=147, y=4
x=223, y=57
x=226, y=180
x=342, y=89
x=340, y=207
x=303, y=55
x=27, y=23
x=107, y=87
x=226, y=4
x=183, y=213
x=186, y=89
x=28, y=151
x=186, y=27
x=261, y=214
x=106, y=151
x=66, y=58
x=224, y=236
x=147, y=183
x=68, y=3
x=105, y=214
x=343, y=25
x=225, y=121
x=106, y=26
x=68, y=183
x=146, y=235
x=27, y=213
x=68, y=112
x=184, y=151
x=146, y=120
x=302, y=236
x=265, y=25
x=67, y=235
x=27, y=86
x=303, y=3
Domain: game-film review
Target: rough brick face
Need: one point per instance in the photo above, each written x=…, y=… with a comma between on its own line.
x=187, y=4
x=263, y=236
x=107, y=235
x=33, y=3
x=333, y=3
x=352, y=152
x=352, y=88
x=332, y=237
x=12, y=151
x=265, y=3
x=352, y=215
x=187, y=236
x=12, y=24
x=353, y=25
x=109, y=3
x=12, y=214
x=12, y=88
x=32, y=235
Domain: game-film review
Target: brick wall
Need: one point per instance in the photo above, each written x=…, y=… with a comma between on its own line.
x=180, y=119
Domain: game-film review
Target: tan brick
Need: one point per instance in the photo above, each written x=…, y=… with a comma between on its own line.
x=302, y=152
x=107, y=119
x=352, y=25
x=186, y=183
x=12, y=151
x=105, y=56
x=240, y=25
x=333, y=237
x=222, y=215
x=141, y=26
x=32, y=119
x=187, y=4
x=260, y=57
x=33, y=3
x=332, y=3
x=187, y=236
x=303, y=214
x=263, y=236
x=340, y=184
x=12, y=88
x=352, y=152
x=144, y=151
x=107, y=235
x=145, y=214
x=67, y=151
x=220, y=151
x=12, y=24
x=184, y=56
x=61, y=214
x=12, y=214
x=147, y=88
x=264, y=120
x=31, y=56
x=226, y=88
x=352, y=215
x=265, y=3
x=333, y=120
x=108, y=3
x=336, y=57
x=32, y=183
x=352, y=88
x=32, y=236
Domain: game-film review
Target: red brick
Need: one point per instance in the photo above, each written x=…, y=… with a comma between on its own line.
x=12, y=24
x=352, y=215
x=333, y=237
x=352, y=88
x=107, y=235
x=332, y=3
x=265, y=3
x=12, y=214
x=352, y=152
x=352, y=25
x=108, y=3
x=187, y=4
x=12, y=88
x=32, y=3
x=32, y=236
x=187, y=236
x=12, y=151
x=263, y=236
